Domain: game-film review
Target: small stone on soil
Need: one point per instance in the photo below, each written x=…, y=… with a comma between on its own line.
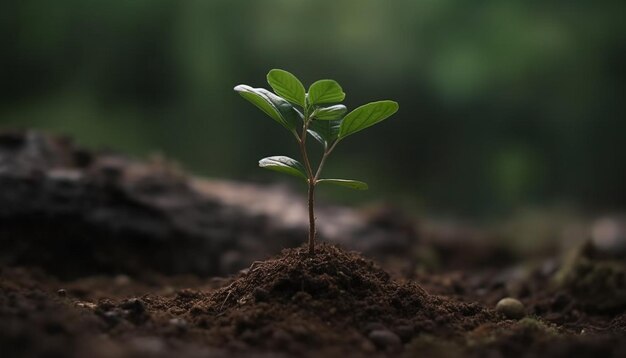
x=385, y=339
x=62, y=293
x=511, y=308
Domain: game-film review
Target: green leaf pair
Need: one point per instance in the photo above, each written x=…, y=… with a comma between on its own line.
x=290, y=92
x=293, y=167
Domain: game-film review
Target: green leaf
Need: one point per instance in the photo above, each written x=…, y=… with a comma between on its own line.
x=330, y=113
x=366, y=116
x=324, y=132
x=352, y=184
x=276, y=107
x=287, y=111
x=325, y=91
x=284, y=165
x=287, y=86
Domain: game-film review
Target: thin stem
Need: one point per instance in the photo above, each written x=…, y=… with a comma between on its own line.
x=303, y=152
x=311, y=217
x=323, y=161
x=311, y=183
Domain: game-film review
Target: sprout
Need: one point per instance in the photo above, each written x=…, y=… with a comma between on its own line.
x=315, y=113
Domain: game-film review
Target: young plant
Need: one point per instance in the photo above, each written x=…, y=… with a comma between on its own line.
x=318, y=114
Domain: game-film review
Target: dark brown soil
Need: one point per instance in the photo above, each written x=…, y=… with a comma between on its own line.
x=335, y=303
x=332, y=300
x=102, y=256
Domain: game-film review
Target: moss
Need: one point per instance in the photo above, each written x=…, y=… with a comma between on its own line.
x=598, y=284
x=535, y=325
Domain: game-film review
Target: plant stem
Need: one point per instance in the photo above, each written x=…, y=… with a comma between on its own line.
x=326, y=154
x=311, y=217
x=311, y=184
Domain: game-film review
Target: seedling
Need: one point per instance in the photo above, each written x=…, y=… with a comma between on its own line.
x=318, y=114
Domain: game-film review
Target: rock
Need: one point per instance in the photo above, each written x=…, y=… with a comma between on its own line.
x=608, y=235
x=124, y=206
x=62, y=292
x=385, y=339
x=510, y=308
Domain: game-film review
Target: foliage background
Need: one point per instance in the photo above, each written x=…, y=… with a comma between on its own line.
x=503, y=104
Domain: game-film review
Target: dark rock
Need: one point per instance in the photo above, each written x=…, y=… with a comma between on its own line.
x=123, y=216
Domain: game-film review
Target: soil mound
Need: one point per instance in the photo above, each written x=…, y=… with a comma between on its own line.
x=331, y=299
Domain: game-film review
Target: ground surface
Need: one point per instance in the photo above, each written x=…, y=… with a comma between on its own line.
x=101, y=256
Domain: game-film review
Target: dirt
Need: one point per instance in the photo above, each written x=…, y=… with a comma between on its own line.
x=335, y=303
x=141, y=266
x=332, y=299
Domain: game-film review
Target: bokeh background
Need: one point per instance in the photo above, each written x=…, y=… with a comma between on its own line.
x=503, y=104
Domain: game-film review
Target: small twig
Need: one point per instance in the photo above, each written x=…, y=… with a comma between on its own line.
x=226, y=299
x=254, y=264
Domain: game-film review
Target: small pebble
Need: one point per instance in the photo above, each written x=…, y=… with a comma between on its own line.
x=511, y=308
x=608, y=235
x=385, y=339
x=62, y=293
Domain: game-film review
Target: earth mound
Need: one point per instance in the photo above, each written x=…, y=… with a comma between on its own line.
x=297, y=301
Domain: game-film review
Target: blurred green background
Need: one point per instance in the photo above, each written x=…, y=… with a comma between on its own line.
x=503, y=104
